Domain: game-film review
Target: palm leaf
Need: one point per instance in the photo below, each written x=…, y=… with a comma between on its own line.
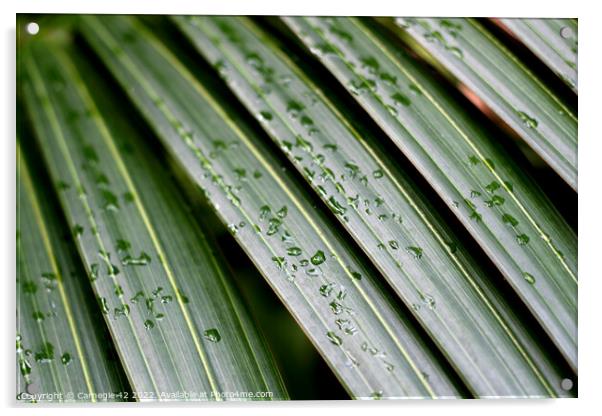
x=177, y=331
x=496, y=201
x=554, y=41
x=61, y=349
x=383, y=213
x=497, y=77
x=336, y=297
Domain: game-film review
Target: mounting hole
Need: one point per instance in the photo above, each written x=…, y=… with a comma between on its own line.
x=566, y=384
x=33, y=28
x=566, y=32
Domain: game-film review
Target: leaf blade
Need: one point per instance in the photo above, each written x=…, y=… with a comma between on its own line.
x=505, y=85
x=68, y=355
x=194, y=347
x=554, y=41
x=293, y=110
x=273, y=204
x=458, y=158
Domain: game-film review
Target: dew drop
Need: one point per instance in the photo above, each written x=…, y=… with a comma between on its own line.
x=376, y=395
x=212, y=335
x=149, y=324
x=318, y=258
x=264, y=211
x=326, y=289
x=400, y=99
x=336, y=307
x=66, y=358
x=46, y=353
x=415, y=251
x=428, y=300
x=529, y=121
x=455, y=51
x=293, y=251
x=334, y=338
x=522, y=239
x=282, y=212
x=142, y=260
x=346, y=326
x=510, y=220
x=265, y=115
x=529, y=278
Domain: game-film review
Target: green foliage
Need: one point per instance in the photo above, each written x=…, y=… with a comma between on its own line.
x=392, y=267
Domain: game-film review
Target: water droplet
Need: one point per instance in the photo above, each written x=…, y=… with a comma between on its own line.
x=142, y=260
x=493, y=186
x=428, y=300
x=38, y=316
x=29, y=287
x=377, y=395
x=414, y=89
x=273, y=226
x=509, y=219
x=118, y=290
x=293, y=251
x=371, y=64
x=495, y=200
x=346, y=326
x=415, y=251
x=123, y=245
x=356, y=275
x=103, y=305
x=394, y=244
x=294, y=108
x=110, y=202
x=212, y=335
x=318, y=258
x=264, y=211
x=326, y=289
x=358, y=87
x=166, y=299
x=522, y=239
x=400, y=99
x=334, y=338
x=336, y=206
x=66, y=358
x=455, y=51
x=241, y=174
x=336, y=307
x=265, y=115
x=124, y=310
x=529, y=278
x=280, y=262
x=392, y=110
x=46, y=353
x=435, y=37
x=324, y=49
x=128, y=197
x=24, y=366
x=528, y=120
x=341, y=34
x=78, y=230
x=149, y=324
x=282, y=212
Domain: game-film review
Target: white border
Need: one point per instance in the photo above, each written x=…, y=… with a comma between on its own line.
x=590, y=201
